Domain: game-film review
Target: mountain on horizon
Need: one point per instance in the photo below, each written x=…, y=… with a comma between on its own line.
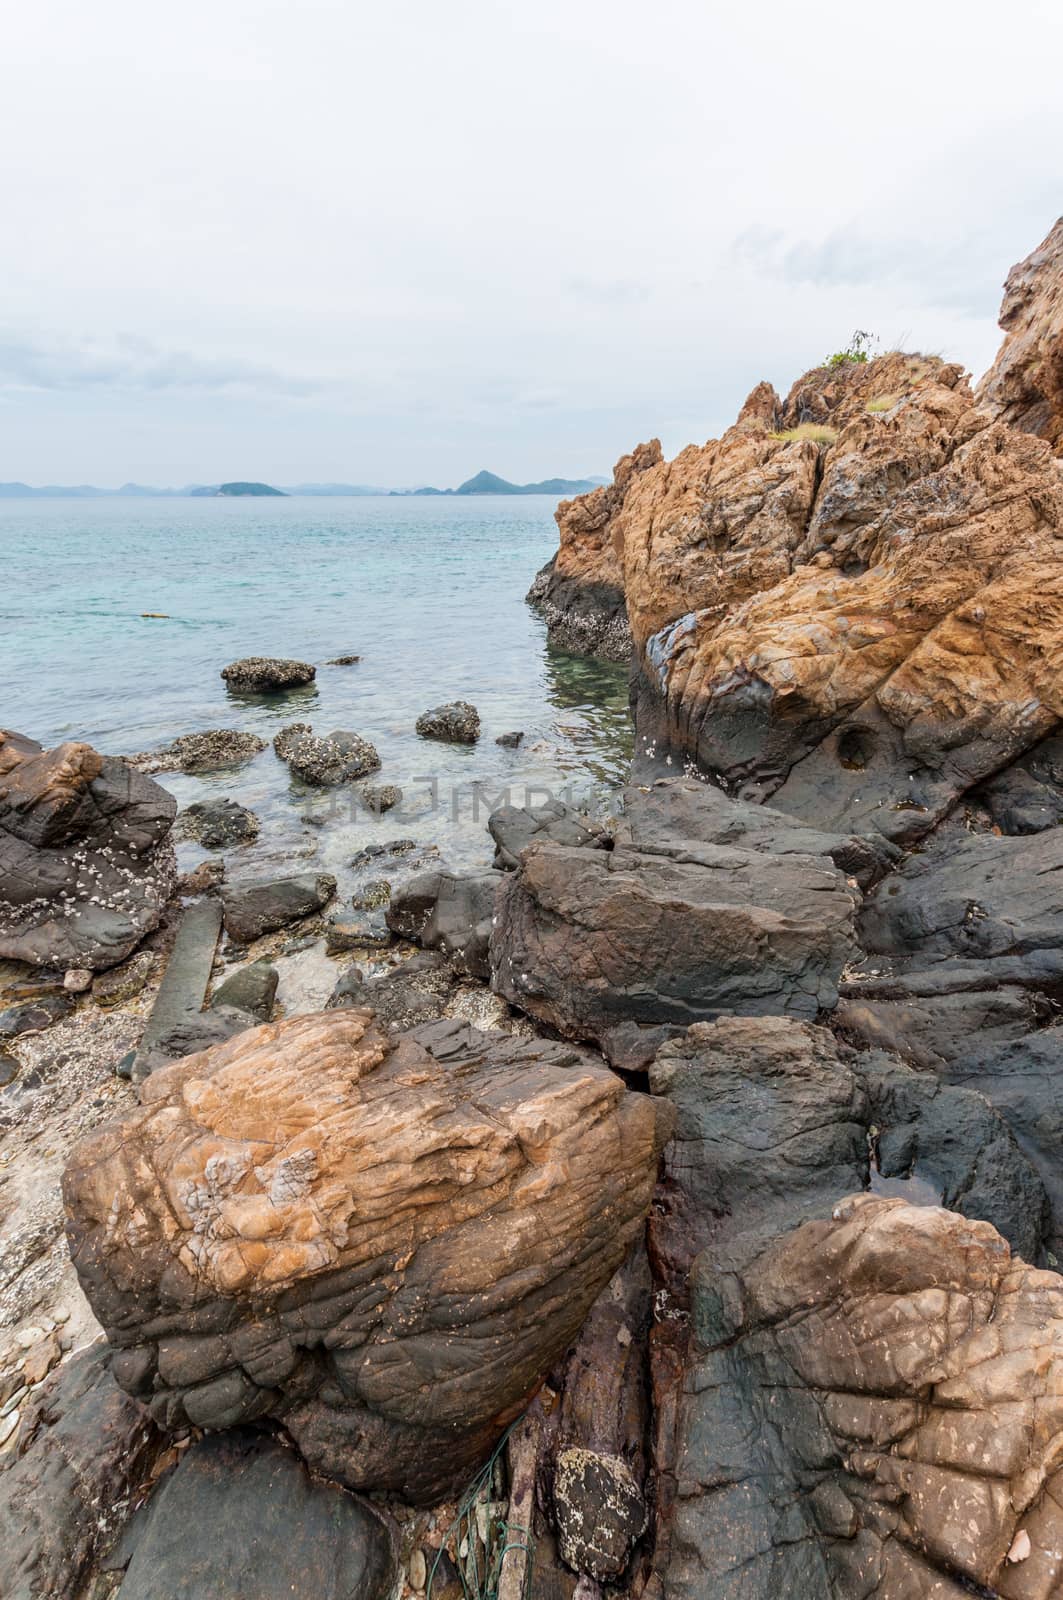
x=482, y=483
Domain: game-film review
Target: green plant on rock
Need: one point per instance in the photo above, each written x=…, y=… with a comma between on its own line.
x=856, y=352
x=817, y=432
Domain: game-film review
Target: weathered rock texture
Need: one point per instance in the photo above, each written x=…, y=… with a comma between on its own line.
x=853, y=600
x=670, y=926
x=86, y=865
x=580, y=592
x=1024, y=386
x=872, y=1408
x=267, y=674
x=386, y=1248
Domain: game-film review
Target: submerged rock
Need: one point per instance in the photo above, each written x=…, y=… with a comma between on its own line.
x=385, y=1247
x=209, y=751
x=267, y=673
x=86, y=864
x=455, y=723
x=218, y=824
x=332, y=759
x=285, y=741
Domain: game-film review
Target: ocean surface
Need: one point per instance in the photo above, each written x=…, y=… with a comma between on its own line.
x=429, y=593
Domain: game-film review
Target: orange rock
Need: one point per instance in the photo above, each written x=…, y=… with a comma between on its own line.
x=1024, y=386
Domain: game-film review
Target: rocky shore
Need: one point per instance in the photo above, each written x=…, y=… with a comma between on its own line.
x=670, y=1209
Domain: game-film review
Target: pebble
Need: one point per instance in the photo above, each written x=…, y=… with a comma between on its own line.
x=418, y=1569
x=77, y=980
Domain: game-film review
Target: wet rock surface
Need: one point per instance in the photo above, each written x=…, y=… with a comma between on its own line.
x=455, y=723
x=447, y=911
x=298, y=1285
x=218, y=824
x=209, y=751
x=86, y=864
x=268, y=674
x=332, y=759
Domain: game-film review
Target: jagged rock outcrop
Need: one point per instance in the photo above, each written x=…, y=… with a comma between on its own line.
x=86, y=863
x=670, y=926
x=853, y=601
x=385, y=1242
x=580, y=591
x=1024, y=386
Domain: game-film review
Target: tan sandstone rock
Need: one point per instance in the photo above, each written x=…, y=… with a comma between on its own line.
x=1024, y=386
x=385, y=1242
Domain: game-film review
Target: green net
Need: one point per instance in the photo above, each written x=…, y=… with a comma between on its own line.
x=481, y=1539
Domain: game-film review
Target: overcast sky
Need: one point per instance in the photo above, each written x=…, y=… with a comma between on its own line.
x=395, y=243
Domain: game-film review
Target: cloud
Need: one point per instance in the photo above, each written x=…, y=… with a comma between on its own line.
x=128, y=363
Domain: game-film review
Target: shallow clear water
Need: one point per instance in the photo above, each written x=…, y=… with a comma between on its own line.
x=430, y=593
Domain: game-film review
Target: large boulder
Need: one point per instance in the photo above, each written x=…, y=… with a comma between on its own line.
x=668, y=928
x=384, y=1247
x=871, y=1407
x=458, y=722
x=86, y=864
x=1024, y=386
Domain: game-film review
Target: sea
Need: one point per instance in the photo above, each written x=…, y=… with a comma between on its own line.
x=427, y=592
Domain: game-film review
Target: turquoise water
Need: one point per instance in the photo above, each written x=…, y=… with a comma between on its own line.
x=430, y=593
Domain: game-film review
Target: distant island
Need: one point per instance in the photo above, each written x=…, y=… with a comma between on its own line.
x=482, y=483
x=491, y=483
x=237, y=489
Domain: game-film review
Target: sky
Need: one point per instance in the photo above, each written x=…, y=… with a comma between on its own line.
x=399, y=243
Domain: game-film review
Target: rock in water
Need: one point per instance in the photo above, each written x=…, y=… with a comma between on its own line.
x=332, y=759
x=217, y=824
x=268, y=674
x=447, y=911
x=387, y=1250
x=254, y=908
x=456, y=723
x=580, y=592
x=86, y=864
x=1024, y=386
x=241, y=1519
x=852, y=601
x=209, y=751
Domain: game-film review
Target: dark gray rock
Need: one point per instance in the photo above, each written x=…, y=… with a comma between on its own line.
x=1023, y=1080
x=343, y=661
x=455, y=723
x=252, y=989
x=254, y=908
x=513, y=828
x=1018, y=803
x=510, y=741
x=241, y=1519
x=187, y=1035
x=447, y=911
x=86, y=864
x=217, y=824
x=585, y=940
x=335, y=758
x=84, y=1448
x=30, y=1016
x=258, y=674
